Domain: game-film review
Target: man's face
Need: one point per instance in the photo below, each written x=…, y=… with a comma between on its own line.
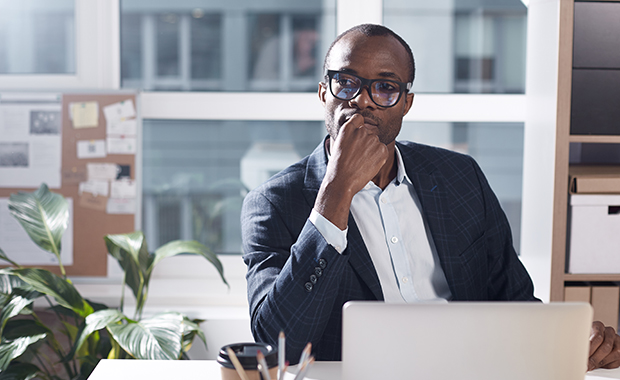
x=379, y=57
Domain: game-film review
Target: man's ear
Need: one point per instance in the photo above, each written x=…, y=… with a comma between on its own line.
x=408, y=103
x=322, y=92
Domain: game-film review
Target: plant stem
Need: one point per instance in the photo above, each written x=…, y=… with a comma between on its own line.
x=60, y=317
x=123, y=292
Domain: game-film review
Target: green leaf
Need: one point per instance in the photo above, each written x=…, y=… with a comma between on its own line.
x=178, y=247
x=20, y=371
x=43, y=214
x=96, y=321
x=18, y=300
x=131, y=252
x=191, y=329
x=12, y=350
x=8, y=282
x=156, y=338
x=4, y=257
x=21, y=328
x=48, y=283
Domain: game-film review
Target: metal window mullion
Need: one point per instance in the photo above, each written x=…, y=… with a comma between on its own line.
x=286, y=52
x=149, y=58
x=185, y=53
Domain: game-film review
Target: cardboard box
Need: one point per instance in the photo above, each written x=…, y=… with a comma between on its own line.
x=595, y=179
x=594, y=245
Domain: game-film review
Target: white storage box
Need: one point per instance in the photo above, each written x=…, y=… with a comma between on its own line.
x=594, y=234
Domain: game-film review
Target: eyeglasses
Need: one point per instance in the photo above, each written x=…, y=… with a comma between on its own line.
x=383, y=92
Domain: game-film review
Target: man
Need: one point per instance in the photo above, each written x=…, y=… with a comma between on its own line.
x=366, y=218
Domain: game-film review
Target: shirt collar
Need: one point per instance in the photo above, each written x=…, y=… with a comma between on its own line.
x=401, y=173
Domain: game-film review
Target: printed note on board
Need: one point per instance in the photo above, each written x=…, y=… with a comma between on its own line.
x=84, y=114
x=91, y=149
x=119, y=111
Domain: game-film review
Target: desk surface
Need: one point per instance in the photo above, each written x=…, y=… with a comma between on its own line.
x=210, y=369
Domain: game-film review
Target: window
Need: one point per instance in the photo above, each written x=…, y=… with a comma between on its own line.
x=463, y=46
x=228, y=46
x=196, y=174
x=37, y=37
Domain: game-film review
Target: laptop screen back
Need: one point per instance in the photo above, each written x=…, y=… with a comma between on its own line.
x=466, y=340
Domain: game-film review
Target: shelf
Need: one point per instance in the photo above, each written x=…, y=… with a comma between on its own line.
x=610, y=139
x=592, y=277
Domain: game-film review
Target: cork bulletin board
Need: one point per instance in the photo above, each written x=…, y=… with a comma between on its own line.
x=87, y=142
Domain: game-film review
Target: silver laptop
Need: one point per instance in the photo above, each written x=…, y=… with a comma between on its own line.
x=465, y=341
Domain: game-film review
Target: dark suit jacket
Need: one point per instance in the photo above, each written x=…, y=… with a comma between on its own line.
x=282, y=249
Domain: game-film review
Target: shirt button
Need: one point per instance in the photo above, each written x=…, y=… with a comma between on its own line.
x=383, y=200
x=308, y=286
x=394, y=239
x=338, y=248
x=405, y=279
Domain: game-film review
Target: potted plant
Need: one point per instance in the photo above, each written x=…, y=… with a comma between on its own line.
x=82, y=332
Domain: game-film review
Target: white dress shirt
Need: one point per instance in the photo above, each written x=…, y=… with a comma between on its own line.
x=407, y=264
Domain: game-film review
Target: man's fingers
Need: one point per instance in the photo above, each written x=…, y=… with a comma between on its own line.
x=613, y=359
x=596, y=336
x=604, y=349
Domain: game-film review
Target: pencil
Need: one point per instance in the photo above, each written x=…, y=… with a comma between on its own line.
x=281, y=354
x=262, y=365
x=305, y=354
x=238, y=366
x=304, y=369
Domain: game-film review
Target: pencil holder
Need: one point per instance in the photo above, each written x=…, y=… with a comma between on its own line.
x=246, y=354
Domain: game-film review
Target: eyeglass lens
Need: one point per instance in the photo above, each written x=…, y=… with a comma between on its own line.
x=346, y=87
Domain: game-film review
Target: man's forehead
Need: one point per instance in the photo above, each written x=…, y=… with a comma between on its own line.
x=357, y=49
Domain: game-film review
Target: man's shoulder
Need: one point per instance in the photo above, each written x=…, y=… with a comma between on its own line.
x=421, y=154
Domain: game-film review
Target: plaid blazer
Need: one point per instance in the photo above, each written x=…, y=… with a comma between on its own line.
x=298, y=283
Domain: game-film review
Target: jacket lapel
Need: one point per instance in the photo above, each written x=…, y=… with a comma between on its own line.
x=432, y=192
x=359, y=258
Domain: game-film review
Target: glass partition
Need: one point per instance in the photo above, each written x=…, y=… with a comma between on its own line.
x=463, y=46
x=37, y=37
x=241, y=45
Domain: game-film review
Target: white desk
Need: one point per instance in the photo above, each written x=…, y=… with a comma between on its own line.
x=210, y=369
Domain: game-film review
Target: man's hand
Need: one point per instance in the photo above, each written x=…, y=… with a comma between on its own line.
x=357, y=155
x=604, y=347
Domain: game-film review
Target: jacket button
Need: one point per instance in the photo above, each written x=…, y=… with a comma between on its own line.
x=322, y=263
x=313, y=279
x=318, y=271
x=308, y=286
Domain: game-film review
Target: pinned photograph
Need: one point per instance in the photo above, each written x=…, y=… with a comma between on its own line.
x=14, y=154
x=44, y=122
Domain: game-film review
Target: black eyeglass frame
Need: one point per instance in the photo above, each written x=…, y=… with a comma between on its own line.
x=403, y=86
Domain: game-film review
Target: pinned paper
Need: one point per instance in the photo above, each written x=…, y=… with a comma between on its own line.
x=124, y=188
x=84, y=114
x=121, y=145
x=93, y=202
x=121, y=206
x=119, y=111
x=125, y=127
x=95, y=187
x=102, y=171
x=91, y=149
x=73, y=175
x=124, y=171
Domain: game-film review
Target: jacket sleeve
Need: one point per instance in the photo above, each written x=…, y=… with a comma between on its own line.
x=293, y=274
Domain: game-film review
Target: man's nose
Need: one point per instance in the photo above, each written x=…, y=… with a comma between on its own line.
x=363, y=99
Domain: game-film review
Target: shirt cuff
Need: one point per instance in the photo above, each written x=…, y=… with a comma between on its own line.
x=333, y=235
